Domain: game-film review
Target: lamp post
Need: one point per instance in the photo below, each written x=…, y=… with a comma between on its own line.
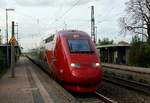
x=7, y=33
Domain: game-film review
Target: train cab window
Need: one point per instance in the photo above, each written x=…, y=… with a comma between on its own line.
x=47, y=40
x=79, y=46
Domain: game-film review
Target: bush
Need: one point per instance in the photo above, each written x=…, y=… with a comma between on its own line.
x=105, y=41
x=139, y=54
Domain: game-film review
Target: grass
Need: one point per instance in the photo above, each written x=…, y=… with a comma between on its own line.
x=3, y=72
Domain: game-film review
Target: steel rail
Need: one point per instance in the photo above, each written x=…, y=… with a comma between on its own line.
x=136, y=86
x=130, y=81
x=105, y=99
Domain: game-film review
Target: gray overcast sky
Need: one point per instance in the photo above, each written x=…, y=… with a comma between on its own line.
x=39, y=18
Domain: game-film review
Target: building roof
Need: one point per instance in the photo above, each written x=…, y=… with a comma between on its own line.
x=4, y=45
x=113, y=45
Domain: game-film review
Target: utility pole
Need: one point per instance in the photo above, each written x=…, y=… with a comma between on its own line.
x=93, y=25
x=38, y=23
x=13, y=52
x=95, y=34
x=17, y=31
x=65, y=24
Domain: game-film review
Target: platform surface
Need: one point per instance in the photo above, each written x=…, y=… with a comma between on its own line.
x=30, y=85
x=130, y=68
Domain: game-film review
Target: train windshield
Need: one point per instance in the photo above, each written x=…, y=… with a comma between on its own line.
x=79, y=46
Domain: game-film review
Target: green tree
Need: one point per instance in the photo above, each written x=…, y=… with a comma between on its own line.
x=137, y=19
x=105, y=41
x=123, y=42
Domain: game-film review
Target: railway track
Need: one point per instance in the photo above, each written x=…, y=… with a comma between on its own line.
x=88, y=98
x=99, y=98
x=105, y=99
x=95, y=97
x=129, y=84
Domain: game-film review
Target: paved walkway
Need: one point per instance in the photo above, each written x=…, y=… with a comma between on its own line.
x=29, y=86
x=16, y=90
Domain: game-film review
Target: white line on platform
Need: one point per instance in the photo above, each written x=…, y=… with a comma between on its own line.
x=44, y=93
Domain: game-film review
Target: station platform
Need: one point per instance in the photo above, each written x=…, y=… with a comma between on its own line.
x=138, y=74
x=128, y=68
x=31, y=85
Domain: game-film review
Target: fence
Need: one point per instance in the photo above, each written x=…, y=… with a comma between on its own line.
x=3, y=56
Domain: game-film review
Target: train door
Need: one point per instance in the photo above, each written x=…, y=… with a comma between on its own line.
x=57, y=59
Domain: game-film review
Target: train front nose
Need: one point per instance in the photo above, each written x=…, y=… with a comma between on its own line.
x=88, y=75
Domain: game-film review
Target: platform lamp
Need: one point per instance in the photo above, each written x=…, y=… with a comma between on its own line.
x=7, y=33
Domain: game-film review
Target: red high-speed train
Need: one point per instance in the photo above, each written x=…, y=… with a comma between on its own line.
x=73, y=59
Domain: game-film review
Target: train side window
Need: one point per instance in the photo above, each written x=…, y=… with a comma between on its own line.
x=49, y=39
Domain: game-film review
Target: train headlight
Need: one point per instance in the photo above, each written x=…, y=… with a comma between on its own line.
x=96, y=64
x=75, y=65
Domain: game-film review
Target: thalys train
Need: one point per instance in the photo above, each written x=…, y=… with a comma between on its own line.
x=71, y=57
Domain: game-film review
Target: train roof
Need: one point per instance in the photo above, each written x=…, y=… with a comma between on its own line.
x=5, y=45
x=66, y=33
x=69, y=32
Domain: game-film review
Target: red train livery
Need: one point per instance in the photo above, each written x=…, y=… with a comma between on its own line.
x=73, y=59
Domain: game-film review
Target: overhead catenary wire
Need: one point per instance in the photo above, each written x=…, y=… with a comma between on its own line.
x=67, y=11
x=82, y=25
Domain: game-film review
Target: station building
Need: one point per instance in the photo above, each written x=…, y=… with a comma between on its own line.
x=115, y=53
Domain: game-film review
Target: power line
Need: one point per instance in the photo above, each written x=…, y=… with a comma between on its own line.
x=67, y=11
